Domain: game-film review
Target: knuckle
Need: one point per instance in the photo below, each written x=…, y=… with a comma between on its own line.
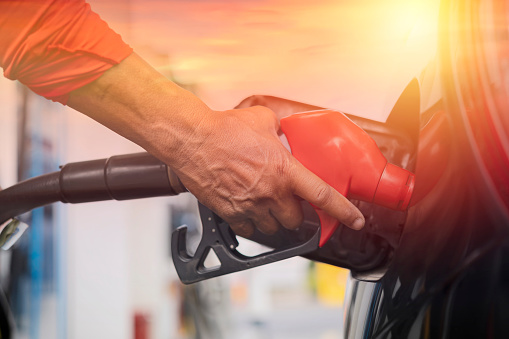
x=294, y=223
x=230, y=215
x=240, y=206
x=242, y=229
x=299, y=219
x=268, y=227
x=322, y=194
x=249, y=101
x=264, y=110
x=282, y=167
x=256, y=100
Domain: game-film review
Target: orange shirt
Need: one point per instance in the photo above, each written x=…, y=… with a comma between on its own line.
x=56, y=46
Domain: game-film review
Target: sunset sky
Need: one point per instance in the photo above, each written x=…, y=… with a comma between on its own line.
x=351, y=55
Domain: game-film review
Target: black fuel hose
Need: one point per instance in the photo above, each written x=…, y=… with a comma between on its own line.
x=121, y=177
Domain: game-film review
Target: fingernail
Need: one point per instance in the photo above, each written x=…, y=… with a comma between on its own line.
x=358, y=223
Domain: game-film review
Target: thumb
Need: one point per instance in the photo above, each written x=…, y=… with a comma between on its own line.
x=314, y=190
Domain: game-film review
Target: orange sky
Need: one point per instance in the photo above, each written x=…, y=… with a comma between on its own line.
x=352, y=55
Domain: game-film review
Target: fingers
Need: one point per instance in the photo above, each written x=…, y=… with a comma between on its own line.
x=288, y=213
x=244, y=228
x=263, y=112
x=311, y=188
x=264, y=222
x=264, y=187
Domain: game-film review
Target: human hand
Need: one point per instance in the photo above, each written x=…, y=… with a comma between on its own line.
x=235, y=164
x=232, y=161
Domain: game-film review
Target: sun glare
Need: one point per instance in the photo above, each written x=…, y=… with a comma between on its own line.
x=329, y=53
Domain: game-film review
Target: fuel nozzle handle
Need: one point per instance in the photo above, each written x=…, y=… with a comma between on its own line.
x=121, y=177
x=342, y=154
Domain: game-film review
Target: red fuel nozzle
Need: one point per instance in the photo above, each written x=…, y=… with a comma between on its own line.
x=343, y=155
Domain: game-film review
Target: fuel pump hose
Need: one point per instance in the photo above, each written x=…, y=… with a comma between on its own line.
x=121, y=177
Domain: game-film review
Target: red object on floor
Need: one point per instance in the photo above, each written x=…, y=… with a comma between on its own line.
x=342, y=154
x=141, y=326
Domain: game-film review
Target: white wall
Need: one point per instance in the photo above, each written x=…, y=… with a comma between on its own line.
x=113, y=247
x=8, y=125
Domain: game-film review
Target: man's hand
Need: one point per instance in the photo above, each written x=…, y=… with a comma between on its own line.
x=232, y=161
x=236, y=165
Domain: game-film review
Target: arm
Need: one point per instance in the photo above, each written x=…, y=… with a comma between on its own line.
x=56, y=46
x=232, y=161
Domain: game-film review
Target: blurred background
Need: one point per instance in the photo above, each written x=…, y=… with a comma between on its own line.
x=104, y=270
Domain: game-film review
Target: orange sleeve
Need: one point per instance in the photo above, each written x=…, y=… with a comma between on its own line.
x=56, y=46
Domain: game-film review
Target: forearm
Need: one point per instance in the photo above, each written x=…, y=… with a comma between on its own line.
x=139, y=103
